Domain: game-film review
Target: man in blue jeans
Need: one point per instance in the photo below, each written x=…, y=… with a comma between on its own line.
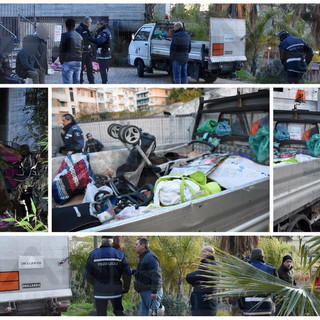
x=70, y=55
x=148, y=277
x=179, y=53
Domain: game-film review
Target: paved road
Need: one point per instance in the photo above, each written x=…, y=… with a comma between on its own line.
x=129, y=76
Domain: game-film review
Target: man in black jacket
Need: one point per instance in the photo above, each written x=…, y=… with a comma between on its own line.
x=285, y=271
x=200, y=305
x=92, y=145
x=295, y=55
x=87, y=53
x=104, y=269
x=70, y=55
x=148, y=277
x=179, y=53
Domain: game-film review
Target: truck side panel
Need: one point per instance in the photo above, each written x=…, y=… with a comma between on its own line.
x=221, y=212
x=295, y=186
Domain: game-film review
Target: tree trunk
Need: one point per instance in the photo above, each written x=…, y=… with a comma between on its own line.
x=149, y=12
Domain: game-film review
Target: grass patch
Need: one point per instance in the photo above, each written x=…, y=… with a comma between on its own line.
x=79, y=309
x=245, y=76
x=86, y=309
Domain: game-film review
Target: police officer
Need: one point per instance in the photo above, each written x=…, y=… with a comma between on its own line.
x=104, y=269
x=295, y=55
x=83, y=30
x=92, y=145
x=71, y=134
x=103, y=42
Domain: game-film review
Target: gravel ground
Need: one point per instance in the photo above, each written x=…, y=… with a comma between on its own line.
x=129, y=76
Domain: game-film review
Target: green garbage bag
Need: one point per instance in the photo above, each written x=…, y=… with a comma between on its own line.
x=208, y=126
x=313, y=145
x=259, y=144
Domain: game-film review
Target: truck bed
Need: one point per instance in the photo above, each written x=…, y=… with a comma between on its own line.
x=242, y=208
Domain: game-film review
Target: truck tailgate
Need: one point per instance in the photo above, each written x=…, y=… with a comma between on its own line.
x=227, y=38
x=295, y=185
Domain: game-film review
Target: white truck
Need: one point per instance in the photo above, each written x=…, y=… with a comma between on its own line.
x=221, y=55
x=241, y=207
x=296, y=184
x=34, y=275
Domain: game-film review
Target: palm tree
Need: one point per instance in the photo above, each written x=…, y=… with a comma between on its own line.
x=179, y=254
x=239, y=279
x=258, y=37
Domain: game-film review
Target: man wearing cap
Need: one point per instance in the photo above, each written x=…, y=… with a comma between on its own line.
x=148, y=277
x=87, y=53
x=71, y=134
x=179, y=54
x=285, y=271
x=200, y=305
x=92, y=145
x=295, y=55
x=103, y=42
x=105, y=269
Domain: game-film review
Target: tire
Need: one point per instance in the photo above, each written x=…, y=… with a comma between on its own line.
x=300, y=223
x=140, y=68
x=130, y=135
x=210, y=78
x=113, y=130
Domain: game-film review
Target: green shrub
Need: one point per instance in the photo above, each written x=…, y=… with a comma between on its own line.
x=245, y=75
x=174, y=306
x=272, y=73
x=81, y=290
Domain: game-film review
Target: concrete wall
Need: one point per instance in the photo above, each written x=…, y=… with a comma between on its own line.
x=17, y=119
x=166, y=130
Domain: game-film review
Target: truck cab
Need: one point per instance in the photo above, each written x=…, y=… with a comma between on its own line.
x=221, y=55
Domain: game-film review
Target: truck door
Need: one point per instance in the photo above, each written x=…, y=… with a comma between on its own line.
x=139, y=46
x=227, y=40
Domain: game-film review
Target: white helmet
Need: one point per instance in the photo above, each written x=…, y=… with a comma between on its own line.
x=156, y=310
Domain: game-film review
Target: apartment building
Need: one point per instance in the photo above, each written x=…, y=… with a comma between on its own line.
x=116, y=99
x=152, y=98
x=74, y=101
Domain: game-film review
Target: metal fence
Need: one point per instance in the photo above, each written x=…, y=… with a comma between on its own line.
x=173, y=129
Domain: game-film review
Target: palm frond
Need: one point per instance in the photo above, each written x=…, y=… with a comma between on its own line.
x=233, y=277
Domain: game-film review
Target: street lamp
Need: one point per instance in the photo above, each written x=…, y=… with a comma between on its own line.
x=269, y=49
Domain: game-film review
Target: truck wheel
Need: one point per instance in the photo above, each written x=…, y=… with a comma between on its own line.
x=210, y=78
x=140, y=68
x=300, y=223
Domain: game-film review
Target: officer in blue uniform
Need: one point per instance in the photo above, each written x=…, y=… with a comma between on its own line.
x=71, y=134
x=295, y=55
x=103, y=41
x=108, y=271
